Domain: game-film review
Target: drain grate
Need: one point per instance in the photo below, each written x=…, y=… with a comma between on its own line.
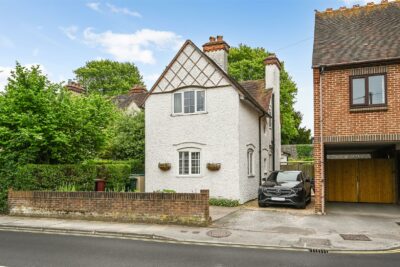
x=352, y=237
x=219, y=233
x=318, y=250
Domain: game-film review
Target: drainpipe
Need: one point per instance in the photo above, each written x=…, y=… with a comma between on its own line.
x=321, y=121
x=273, y=132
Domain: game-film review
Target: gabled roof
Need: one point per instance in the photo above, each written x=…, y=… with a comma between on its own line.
x=123, y=101
x=363, y=34
x=164, y=84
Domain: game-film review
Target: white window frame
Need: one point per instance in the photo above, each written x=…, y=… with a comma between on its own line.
x=181, y=92
x=190, y=150
x=250, y=162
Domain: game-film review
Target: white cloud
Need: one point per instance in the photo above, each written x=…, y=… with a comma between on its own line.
x=137, y=46
x=70, y=31
x=123, y=10
x=94, y=6
x=6, y=71
x=6, y=42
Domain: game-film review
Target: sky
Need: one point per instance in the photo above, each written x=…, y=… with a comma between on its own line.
x=62, y=35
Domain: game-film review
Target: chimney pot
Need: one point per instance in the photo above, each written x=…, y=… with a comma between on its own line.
x=329, y=9
x=342, y=8
x=356, y=6
x=138, y=89
x=272, y=60
x=217, y=50
x=370, y=4
x=384, y=1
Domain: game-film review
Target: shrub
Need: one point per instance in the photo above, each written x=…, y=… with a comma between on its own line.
x=304, y=151
x=223, y=202
x=63, y=177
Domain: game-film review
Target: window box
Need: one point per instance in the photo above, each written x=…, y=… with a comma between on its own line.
x=213, y=166
x=164, y=166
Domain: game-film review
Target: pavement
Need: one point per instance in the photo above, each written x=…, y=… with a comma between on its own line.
x=43, y=250
x=250, y=226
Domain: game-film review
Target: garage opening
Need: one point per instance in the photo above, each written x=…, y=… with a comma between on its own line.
x=362, y=173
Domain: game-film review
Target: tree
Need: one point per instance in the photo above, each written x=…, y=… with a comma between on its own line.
x=127, y=141
x=304, y=136
x=108, y=77
x=246, y=63
x=42, y=123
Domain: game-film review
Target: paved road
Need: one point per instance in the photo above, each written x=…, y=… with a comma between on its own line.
x=34, y=249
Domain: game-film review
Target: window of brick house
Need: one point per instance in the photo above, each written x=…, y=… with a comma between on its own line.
x=368, y=90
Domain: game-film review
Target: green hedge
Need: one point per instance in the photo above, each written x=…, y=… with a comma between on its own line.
x=81, y=176
x=223, y=202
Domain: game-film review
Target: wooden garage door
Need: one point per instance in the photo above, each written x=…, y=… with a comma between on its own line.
x=363, y=180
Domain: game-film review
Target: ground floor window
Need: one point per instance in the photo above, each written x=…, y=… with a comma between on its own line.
x=189, y=162
x=250, y=162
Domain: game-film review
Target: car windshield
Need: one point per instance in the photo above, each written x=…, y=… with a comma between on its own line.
x=284, y=177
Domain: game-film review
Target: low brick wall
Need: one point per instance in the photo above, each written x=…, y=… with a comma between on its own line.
x=174, y=208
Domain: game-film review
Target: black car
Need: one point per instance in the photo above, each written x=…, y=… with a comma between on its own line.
x=285, y=187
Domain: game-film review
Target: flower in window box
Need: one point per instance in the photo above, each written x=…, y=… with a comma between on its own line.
x=213, y=166
x=164, y=166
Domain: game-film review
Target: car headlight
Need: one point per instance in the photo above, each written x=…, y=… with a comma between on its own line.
x=297, y=189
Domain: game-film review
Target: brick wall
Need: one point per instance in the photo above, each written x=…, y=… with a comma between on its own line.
x=341, y=124
x=176, y=208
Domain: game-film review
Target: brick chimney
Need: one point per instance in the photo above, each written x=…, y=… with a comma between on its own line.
x=217, y=49
x=272, y=81
x=138, y=89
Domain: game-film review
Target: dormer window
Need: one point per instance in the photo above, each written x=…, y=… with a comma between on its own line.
x=187, y=102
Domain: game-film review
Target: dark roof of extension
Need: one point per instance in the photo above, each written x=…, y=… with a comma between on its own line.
x=361, y=34
x=256, y=88
x=123, y=101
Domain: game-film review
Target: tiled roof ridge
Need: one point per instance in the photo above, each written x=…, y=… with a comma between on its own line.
x=357, y=7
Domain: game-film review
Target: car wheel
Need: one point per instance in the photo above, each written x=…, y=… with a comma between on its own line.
x=302, y=205
x=262, y=205
x=309, y=199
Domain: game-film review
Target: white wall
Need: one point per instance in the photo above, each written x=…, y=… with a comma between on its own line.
x=248, y=125
x=272, y=80
x=216, y=133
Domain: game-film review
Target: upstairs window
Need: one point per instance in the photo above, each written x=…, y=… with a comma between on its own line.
x=188, y=102
x=369, y=90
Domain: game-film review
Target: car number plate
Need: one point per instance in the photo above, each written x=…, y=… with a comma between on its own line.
x=278, y=198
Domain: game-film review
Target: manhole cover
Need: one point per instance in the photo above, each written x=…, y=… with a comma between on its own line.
x=355, y=237
x=218, y=233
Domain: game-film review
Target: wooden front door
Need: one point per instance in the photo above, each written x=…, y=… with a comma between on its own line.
x=361, y=180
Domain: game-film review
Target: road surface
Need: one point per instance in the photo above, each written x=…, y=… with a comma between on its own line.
x=21, y=249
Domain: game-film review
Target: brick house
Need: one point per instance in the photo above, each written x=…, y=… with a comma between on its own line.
x=356, y=69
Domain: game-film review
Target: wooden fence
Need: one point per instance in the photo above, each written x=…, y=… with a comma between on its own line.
x=306, y=166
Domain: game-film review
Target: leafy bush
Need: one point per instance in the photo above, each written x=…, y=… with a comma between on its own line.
x=166, y=191
x=67, y=188
x=223, y=202
x=305, y=151
x=63, y=177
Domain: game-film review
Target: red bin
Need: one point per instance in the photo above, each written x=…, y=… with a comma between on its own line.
x=100, y=185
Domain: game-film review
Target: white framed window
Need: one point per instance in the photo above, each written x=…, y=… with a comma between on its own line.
x=250, y=162
x=189, y=162
x=189, y=102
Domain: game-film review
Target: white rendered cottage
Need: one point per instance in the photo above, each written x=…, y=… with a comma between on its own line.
x=197, y=117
